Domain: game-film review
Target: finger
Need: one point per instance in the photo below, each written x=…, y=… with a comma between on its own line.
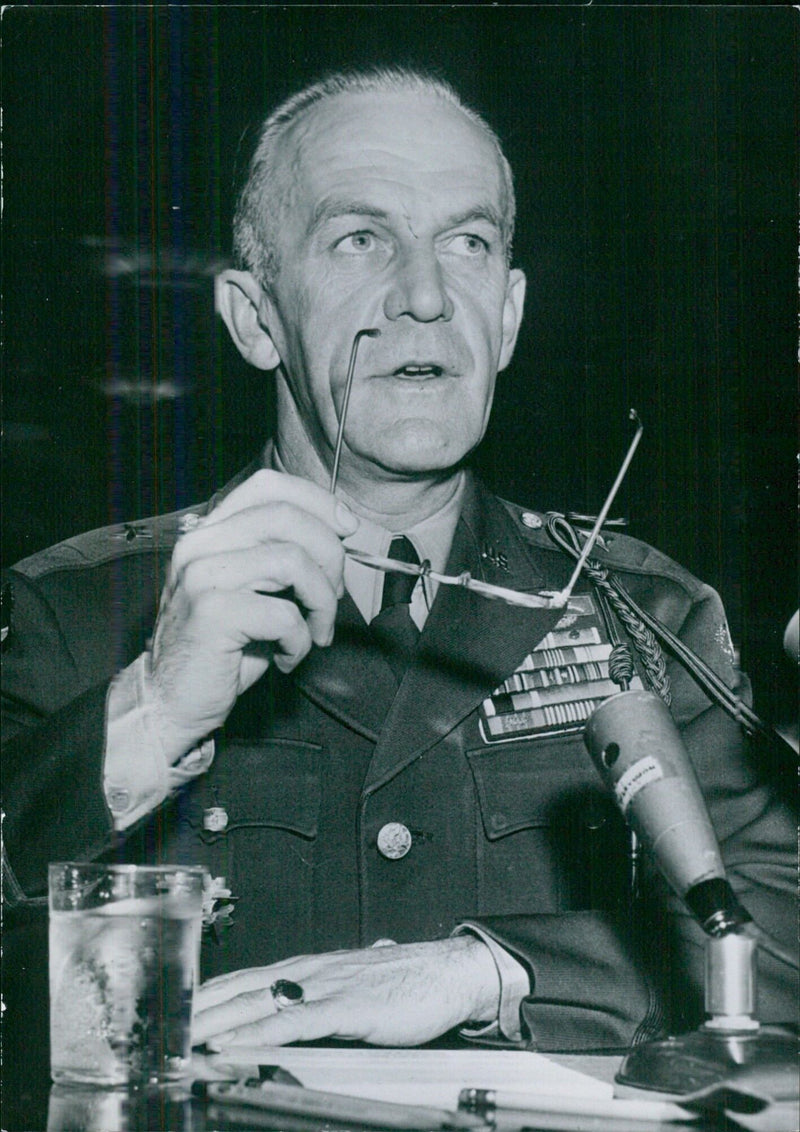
x=307, y=1022
x=259, y=526
x=223, y=987
x=243, y=1009
x=242, y=997
x=231, y=621
x=269, y=569
x=267, y=486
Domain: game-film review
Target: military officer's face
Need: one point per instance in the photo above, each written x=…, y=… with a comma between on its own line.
x=393, y=221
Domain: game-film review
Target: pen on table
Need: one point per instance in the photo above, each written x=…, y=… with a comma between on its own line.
x=485, y=1102
x=293, y=1100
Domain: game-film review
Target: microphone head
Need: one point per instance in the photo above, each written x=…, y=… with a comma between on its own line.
x=639, y=753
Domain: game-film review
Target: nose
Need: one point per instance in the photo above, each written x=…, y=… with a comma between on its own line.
x=417, y=288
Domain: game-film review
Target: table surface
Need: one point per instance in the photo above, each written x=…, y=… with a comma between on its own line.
x=26, y=1103
x=42, y=1108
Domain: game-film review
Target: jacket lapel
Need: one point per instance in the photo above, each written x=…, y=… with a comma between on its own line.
x=469, y=644
x=350, y=680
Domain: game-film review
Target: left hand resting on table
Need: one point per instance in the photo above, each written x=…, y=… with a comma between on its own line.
x=400, y=995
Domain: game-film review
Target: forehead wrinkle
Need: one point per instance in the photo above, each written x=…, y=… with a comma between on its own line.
x=331, y=207
x=292, y=164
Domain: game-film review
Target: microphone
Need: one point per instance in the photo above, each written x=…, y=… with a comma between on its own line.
x=638, y=750
x=640, y=755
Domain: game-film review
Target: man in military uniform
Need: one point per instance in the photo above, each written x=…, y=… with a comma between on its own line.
x=389, y=787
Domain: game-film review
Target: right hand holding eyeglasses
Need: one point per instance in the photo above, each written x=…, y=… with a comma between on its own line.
x=225, y=612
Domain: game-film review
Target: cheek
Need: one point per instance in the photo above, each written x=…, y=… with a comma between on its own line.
x=483, y=306
x=312, y=343
x=305, y=304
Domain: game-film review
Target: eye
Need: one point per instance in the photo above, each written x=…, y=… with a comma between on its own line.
x=356, y=243
x=468, y=244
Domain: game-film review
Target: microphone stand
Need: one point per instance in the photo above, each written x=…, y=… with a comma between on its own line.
x=730, y=1046
x=639, y=753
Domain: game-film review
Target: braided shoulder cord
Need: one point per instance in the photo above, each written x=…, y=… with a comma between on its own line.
x=704, y=676
x=646, y=644
x=648, y=648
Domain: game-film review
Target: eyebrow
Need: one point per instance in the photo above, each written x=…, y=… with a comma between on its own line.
x=334, y=207
x=482, y=212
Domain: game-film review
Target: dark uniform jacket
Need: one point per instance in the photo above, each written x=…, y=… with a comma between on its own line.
x=510, y=828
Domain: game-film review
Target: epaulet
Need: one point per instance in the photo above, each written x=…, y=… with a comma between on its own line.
x=529, y=523
x=120, y=540
x=615, y=549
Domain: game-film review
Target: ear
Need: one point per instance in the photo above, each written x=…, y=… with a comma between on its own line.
x=243, y=306
x=512, y=314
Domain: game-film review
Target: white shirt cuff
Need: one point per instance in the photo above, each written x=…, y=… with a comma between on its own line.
x=137, y=776
x=515, y=985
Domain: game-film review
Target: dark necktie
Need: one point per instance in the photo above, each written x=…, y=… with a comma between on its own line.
x=393, y=627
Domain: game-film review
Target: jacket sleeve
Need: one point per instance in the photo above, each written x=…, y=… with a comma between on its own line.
x=53, y=740
x=587, y=990
x=600, y=983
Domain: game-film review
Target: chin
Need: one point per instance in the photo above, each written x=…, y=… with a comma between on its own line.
x=421, y=455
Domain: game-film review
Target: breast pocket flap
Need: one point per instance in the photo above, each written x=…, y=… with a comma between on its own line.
x=531, y=784
x=275, y=784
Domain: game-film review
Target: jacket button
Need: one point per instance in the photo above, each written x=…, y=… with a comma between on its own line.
x=215, y=819
x=394, y=840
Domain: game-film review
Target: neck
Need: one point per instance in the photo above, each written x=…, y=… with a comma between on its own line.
x=392, y=501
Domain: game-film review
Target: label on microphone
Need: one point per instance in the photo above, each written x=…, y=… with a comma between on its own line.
x=636, y=777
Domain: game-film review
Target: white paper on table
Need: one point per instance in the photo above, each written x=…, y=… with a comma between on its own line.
x=418, y=1076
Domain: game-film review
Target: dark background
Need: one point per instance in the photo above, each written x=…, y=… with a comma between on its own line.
x=655, y=151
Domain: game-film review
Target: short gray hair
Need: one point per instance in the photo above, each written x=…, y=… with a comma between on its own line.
x=258, y=212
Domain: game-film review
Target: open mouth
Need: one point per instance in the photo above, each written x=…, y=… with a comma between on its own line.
x=418, y=371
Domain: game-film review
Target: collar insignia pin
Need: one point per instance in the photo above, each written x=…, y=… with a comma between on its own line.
x=496, y=557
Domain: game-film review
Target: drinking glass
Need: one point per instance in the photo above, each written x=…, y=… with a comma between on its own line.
x=124, y=952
